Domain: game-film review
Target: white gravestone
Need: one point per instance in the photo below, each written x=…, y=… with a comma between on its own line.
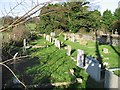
x=52, y=34
x=24, y=45
x=69, y=50
x=65, y=37
x=105, y=50
x=14, y=57
x=58, y=44
x=47, y=37
x=94, y=68
x=80, y=58
x=50, y=39
x=44, y=35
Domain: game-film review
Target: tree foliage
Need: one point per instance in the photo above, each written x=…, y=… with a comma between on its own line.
x=74, y=17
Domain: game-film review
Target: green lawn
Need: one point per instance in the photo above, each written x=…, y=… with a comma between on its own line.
x=90, y=49
x=54, y=65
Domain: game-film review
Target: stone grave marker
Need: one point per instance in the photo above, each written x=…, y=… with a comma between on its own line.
x=52, y=34
x=58, y=44
x=105, y=50
x=44, y=35
x=24, y=45
x=53, y=40
x=116, y=32
x=50, y=39
x=65, y=37
x=93, y=68
x=80, y=58
x=69, y=50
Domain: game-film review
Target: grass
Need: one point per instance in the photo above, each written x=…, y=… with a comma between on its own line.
x=117, y=72
x=54, y=65
x=90, y=49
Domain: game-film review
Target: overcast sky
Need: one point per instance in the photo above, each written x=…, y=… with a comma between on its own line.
x=5, y=6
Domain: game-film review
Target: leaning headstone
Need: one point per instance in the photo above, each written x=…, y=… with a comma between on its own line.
x=69, y=50
x=105, y=50
x=80, y=58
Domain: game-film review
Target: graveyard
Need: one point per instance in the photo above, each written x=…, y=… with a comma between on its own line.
x=66, y=46
x=53, y=63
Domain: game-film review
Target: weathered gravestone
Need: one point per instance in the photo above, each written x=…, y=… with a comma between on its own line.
x=50, y=39
x=80, y=58
x=93, y=68
x=55, y=42
x=105, y=50
x=24, y=45
x=116, y=32
x=58, y=44
x=52, y=34
x=69, y=50
x=44, y=35
x=47, y=37
x=65, y=37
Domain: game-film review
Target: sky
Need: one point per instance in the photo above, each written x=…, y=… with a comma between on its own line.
x=26, y=5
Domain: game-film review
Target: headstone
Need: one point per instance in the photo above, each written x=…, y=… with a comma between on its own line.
x=14, y=58
x=69, y=50
x=80, y=58
x=53, y=40
x=44, y=35
x=52, y=34
x=47, y=37
x=116, y=32
x=24, y=45
x=105, y=50
x=58, y=44
x=93, y=68
x=50, y=39
x=65, y=37
x=79, y=80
